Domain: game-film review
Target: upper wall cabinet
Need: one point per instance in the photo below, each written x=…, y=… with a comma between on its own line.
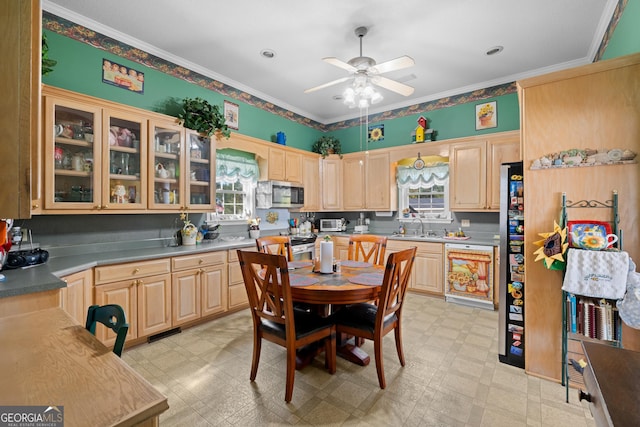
x=475, y=171
x=331, y=176
x=367, y=181
x=284, y=165
x=20, y=106
x=311, y=182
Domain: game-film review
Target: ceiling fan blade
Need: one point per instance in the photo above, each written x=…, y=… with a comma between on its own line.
x=394, y=64
x=392, y=85
x=335, y=82
x=340, y=64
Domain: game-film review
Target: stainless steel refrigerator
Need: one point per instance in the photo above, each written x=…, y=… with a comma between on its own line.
x=512, y=304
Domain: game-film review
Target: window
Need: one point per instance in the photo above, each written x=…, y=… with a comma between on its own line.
x=236, y=180
x=424, y=193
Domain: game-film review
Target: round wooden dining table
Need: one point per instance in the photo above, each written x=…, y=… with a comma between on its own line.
x=356, y=282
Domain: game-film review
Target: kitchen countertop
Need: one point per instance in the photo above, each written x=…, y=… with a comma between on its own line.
x=45, y=277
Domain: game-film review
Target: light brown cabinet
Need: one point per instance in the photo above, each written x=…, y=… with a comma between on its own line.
x=475, y=171
x=20, y=105
x=311, y=182
x=367, y=180
x=198, y=286
x=285, y=165
x=331, y=173
x=142, y=289
x=237, y=292
x=427, y=275
x=77, y=296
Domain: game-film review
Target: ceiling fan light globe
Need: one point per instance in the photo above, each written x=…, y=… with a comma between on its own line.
x=368, y=91
x=363, y=103
x=377, y=97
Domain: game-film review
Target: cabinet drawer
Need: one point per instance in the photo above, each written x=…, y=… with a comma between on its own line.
x=198, y=260
x=132, y=270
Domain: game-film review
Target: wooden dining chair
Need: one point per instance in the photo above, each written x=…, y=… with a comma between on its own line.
x=372, y=321
x=278, y=245
x=113, y=317
x=367, y=248
x=266, y=278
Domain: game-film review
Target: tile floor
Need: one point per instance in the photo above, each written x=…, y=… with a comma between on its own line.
x=452, y=378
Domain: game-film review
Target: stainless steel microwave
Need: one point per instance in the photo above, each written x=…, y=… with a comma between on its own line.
x=330, y=225
x=279, y=194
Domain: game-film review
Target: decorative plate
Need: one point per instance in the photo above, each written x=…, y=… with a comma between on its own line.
x=579, y=230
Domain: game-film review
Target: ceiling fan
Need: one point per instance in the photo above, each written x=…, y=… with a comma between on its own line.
x=364, y=69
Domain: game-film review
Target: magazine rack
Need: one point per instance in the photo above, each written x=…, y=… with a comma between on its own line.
x=573, y=329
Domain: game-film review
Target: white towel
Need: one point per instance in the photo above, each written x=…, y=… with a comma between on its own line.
x=599, y=274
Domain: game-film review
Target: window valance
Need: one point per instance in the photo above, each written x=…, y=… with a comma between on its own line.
x=230, y=168
x=409, y=177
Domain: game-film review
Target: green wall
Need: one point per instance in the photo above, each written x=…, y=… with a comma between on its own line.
x=452, y=122
x=626, y=38
x=79, y=69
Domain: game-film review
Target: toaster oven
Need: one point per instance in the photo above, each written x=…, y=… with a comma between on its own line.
x=330, y=225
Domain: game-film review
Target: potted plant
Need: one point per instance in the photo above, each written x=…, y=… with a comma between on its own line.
x=198, y=114
x=327, y=145
x=47, y=63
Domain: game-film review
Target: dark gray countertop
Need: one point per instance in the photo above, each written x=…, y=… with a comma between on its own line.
x=46, y=277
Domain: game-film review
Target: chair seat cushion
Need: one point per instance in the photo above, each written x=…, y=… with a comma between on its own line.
x=306, y=324
x=361, y=316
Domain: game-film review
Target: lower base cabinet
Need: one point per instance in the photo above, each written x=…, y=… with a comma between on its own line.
x=77, y=296
x=427, y=275
x=198, y=286
x=237, y=292
x=144, y=296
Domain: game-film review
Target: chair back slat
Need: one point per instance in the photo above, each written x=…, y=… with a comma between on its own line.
x=266, y=279
x=113, y=317
x=277, y=245
x=367, y=248
x=395, y=282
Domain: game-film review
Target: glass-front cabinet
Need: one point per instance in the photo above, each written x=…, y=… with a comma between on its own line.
x=125, y=160
x=72, y=155
x=166, y=161
x=201, y=168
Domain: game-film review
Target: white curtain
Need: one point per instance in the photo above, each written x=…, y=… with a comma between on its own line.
x=230, y=168
x=409, y=177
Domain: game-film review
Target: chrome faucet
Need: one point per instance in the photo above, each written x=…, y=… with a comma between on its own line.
x=421, y=225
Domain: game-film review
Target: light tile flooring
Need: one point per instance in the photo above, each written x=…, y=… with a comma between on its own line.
x=452, y=378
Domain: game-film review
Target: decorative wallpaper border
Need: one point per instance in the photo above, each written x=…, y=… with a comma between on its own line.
x=82, y=34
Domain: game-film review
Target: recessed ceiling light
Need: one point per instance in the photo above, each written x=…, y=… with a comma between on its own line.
x=494, y=50
x=268, y=53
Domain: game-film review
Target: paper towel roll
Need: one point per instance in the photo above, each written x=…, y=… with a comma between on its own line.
x=326, y=257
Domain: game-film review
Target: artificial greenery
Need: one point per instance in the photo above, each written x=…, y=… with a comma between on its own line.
x=327, y=145
x=199, y=115
x=47, y=63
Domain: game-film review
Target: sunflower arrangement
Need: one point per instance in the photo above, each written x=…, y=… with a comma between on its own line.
x=552, y=248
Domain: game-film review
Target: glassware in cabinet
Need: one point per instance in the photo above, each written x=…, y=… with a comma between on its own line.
x=201, y=169
x=166, y=163
x=125, y=161
x=72, y=155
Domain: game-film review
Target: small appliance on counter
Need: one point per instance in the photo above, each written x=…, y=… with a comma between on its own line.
x=335, y=224
x=362, y=225
x=18, y=258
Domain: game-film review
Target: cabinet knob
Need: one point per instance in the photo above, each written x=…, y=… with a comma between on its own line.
x=140, y=282
x=201, y=271
x=200, y=261
x=35, y=206
x=104, y=207
x=584, y=396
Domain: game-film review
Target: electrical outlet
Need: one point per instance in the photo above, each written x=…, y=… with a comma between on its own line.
x=465, y=223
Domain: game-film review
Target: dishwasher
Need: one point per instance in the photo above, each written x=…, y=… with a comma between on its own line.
x=469, y=275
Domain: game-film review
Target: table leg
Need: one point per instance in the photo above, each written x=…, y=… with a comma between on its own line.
x=347, y=348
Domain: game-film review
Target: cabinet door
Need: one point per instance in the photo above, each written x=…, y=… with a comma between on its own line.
x=124, y=294
x=185, y=296
x=166, y=148
x=499, y=152
x=214, y=295
x=277, y=166
x=468, y=179
x=154, y=304
x=427, y=273
x=293, y=167
x=353, y=182
x=378, y=181
x=311, y=182
x=72, y=159
x=201, y=173
x=331, y=183
x=124, y=166
x=77, y=296
x=20, y=23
